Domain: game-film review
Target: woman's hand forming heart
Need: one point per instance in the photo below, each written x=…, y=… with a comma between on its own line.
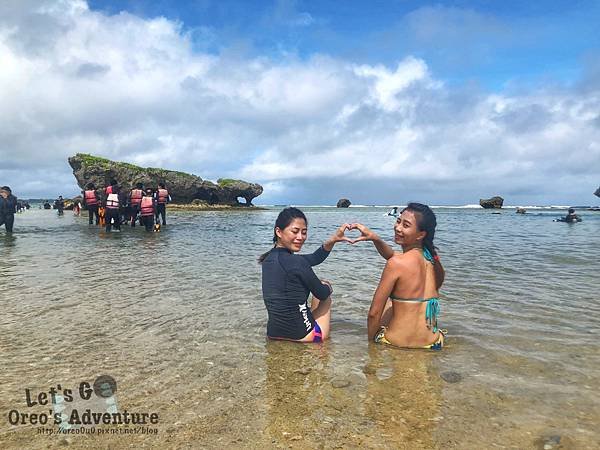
x=365, y=233
x=338, y=236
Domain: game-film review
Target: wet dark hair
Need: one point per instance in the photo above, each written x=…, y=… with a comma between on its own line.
x=6, y=188
x=138, y=185
x=426, y=221
x=113, y=182
x=161, y=185
x=285, y=217
x=90, y=186
x=571, y=210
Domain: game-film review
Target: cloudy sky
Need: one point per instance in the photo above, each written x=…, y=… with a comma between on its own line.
x=378, y=101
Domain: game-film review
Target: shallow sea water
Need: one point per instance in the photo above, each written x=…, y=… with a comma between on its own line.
x=177, y=319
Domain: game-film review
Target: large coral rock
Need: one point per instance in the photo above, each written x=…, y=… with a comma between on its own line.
x=183, y=187
x=492, y=203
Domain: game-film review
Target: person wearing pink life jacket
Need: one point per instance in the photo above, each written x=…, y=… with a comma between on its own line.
x=110, y=188
x=91, y=201
x=135, y=199
x=162, y=198
x=111, y=204
x=148, y=209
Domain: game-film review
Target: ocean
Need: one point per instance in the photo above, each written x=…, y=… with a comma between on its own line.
x=177, y=320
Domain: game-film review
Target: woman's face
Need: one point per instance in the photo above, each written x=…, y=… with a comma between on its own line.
x=293, y=236
x=406, y=232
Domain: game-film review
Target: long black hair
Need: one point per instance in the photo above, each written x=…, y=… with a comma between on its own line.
x=426, y=221
x=285, y=217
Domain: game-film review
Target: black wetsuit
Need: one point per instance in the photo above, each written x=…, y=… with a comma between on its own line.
x=8, y=208
x=287, y=280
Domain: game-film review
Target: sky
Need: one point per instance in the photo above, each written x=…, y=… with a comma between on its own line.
x=380, y=102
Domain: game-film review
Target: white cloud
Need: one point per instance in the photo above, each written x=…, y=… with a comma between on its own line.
x=135, y=89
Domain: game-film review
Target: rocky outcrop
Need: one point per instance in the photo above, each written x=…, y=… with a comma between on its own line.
x=183, y=187
x=492, y=203
x=597, y=193
x=521, y=210
x=343, y=203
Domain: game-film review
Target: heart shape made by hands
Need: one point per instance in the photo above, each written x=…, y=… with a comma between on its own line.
x=353, y=238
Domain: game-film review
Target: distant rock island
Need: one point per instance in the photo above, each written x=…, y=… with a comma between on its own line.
x=183, y=187
x=597, y=192
x=492, y=203
x=343, y=203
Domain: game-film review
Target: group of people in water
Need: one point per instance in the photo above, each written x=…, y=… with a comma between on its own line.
x=111, y=207
x=114, y=206
x=405, y=306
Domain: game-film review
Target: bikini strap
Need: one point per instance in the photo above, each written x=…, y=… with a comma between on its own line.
x=431, y=314
x=411, y=300
x=427, y=255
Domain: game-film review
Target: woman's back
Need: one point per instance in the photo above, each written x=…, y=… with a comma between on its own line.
x=415, y=287
x=415, y=276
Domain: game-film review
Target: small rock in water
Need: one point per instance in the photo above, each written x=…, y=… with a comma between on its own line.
x=451, y=377
x=340, y=383
x=549, y=442
x=369, y=370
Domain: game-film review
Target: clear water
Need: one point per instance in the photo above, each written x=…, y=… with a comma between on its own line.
x=177, y=319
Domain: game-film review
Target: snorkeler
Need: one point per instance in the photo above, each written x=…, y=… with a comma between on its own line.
x=288, y=279
x=405, y=305
x=110, y=188
x=91, y=202
x=59, y=204
x=162, y=198
x=571, y=217
x=112, y=209
x=135, y=198
x=148, y=210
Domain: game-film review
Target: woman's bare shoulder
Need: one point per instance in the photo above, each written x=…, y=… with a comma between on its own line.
x=397, y=260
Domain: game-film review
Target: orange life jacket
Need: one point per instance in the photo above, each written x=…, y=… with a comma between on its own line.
x=112, y=202
x=136, y=196
x=163, y=196
x=147, y=206
x=101, y=216
x=90, y=198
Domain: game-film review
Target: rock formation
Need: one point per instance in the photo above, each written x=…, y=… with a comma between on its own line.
x=343, y=203
x=492, y=203
x=597, y=193
x=183, y=187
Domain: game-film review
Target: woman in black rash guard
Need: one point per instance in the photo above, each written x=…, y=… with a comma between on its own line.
x=288, y=279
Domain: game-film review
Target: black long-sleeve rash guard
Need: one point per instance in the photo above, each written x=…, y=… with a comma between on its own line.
x=287, y=280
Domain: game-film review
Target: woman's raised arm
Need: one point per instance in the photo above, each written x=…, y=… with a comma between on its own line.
x=367, y=235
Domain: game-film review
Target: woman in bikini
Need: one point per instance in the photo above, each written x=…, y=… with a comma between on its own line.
x=405, y=306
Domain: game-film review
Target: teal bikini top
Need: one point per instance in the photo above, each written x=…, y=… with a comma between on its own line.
x=433, y=307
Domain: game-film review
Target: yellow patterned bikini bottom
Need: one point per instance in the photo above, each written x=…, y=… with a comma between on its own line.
x=437, y=345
